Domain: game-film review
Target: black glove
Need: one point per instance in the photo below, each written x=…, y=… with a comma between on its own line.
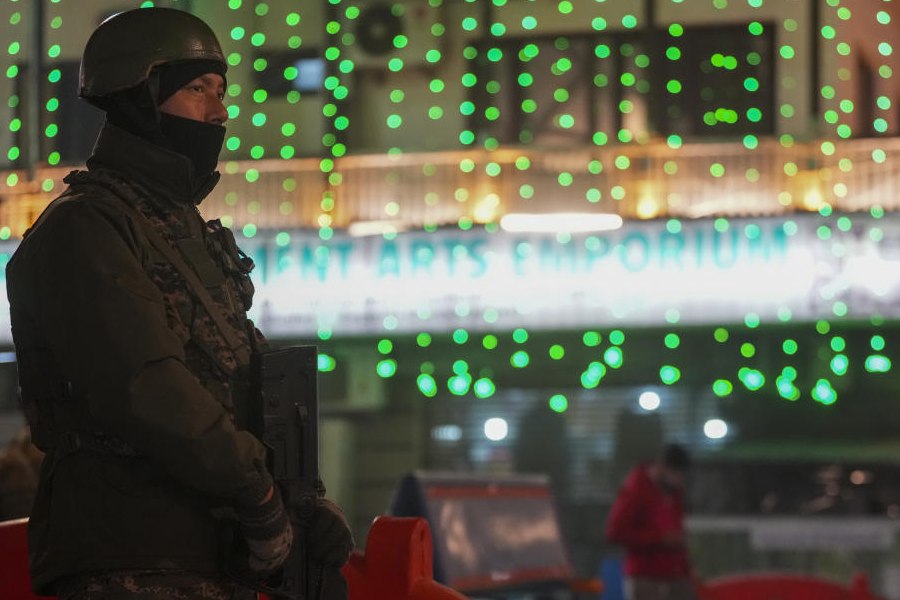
x=267, y=531
x=328, y=541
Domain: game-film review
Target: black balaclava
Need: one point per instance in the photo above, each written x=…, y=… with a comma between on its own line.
x=137, y=111
x=199, y=141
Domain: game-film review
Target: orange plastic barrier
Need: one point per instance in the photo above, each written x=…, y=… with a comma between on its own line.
x=397, y=564
x=15, y=583
x=784, y=587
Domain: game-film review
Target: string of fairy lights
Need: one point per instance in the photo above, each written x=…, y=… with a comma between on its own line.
x=476, y=67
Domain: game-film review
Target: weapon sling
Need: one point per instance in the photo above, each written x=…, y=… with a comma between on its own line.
x=194, y=284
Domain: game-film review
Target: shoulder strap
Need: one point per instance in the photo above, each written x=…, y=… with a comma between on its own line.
x=196, y=286
x=241, y=351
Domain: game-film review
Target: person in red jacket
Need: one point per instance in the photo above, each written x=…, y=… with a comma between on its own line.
x=647, y=518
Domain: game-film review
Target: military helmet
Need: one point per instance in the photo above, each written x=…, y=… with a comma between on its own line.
x=124, y=48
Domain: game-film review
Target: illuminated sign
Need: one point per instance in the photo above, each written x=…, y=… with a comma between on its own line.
x=647, y=273
x=644, y=274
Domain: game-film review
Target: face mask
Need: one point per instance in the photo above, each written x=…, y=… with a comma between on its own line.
x=200, y=142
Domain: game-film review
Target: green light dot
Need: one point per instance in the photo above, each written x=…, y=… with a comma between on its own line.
x=287, y=152
x=386, y=368
x=400, y=41
x=460, y=336
x=528, y=23
x=557, y=352
x=789, y=347
x=672, y=341
x=427, y=385
x=722, y=387
x=283, y=239
x=484, y=388
x=752, y=379
x=238, y=33
x=519, y=359
x=591, y=339
x=558, y=403
x=613, y=357
x=326, y=363
x=824, y=393
x=877, y=364
x=669, y=374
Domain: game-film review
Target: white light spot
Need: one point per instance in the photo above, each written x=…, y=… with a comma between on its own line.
x=496, y=429
x=649, y=400
x=715, y=429
x=446, y=433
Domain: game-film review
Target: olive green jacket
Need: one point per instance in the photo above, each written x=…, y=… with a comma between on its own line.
x=108, y=334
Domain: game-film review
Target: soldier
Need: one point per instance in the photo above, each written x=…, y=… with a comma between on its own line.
x=129, y=320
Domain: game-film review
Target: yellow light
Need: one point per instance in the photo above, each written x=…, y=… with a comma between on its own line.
x=486, y=210
x=647, y=208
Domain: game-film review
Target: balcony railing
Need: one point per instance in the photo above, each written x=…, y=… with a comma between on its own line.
x=413, y=190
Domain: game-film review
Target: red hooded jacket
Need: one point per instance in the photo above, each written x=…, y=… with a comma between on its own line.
x=641, y=518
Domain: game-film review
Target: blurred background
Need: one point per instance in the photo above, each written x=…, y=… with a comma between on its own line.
x=547, y=236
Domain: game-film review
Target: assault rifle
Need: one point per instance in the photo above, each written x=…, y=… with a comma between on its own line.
x=282, y=413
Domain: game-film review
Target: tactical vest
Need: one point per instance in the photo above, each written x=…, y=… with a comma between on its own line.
x=205, y=282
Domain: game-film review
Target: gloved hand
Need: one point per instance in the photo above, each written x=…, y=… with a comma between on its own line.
x=267, y=531
x=329, y=541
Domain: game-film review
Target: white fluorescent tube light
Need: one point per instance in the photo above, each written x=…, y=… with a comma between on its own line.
x=367, y=228
x=560, y=222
